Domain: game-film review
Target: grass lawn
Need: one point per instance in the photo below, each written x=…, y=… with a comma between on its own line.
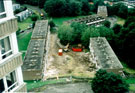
x=130, y=80
x=120, y=21
x=132, y=87
x=37, y=84
x=59, y=21
x=24, y=24
x=23, y=55
x=24, y=41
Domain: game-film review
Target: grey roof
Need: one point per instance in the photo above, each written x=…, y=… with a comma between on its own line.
x=42, y=27
x=87, y=19
x=36, y=49
x=34, y=57
x=102, y=9
x=103, y=51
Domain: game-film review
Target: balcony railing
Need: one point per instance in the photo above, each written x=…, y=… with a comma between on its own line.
x=10, y=64
x=8, y=26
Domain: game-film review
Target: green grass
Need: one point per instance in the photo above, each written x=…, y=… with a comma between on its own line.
x=24, y=41
x=23, y=55
x=130, y=80
x=120, y=21
x=37, y=84
x=25, y=24
x=127, y=69
x=59, y=21
x=132, y=88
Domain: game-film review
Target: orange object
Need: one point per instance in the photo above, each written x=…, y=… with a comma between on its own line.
x=77, y=49
x=60, y=52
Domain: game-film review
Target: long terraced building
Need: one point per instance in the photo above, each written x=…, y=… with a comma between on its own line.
x=88, y=20
x=36, y=57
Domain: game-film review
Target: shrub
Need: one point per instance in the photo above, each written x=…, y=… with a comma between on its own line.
x=34, y=17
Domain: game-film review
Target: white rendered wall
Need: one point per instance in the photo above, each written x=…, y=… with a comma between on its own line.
x=8, y=8
x=14, y=43
x=19, y=75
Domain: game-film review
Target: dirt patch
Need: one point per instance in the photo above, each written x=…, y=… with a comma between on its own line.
x=70, y=63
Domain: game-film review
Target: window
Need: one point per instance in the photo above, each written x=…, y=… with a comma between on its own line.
x=2, y=9
x=1, y=86
x=5, y=48
x=8, y=83
x=11, y=80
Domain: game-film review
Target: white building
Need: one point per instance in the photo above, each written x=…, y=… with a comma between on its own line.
x=16, y=6
x=11, y=79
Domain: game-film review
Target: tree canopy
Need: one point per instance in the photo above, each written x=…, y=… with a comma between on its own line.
x=81, y=33
x=58, y=8
x=105, y=82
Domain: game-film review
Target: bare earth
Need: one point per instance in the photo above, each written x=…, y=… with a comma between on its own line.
x=70, y=63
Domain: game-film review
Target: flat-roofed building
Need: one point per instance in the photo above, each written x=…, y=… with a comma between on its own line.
x=36, y=60
x=103, y=55
x=16, y=6
x=11, y=79
x=102, y=11
x=88, y=20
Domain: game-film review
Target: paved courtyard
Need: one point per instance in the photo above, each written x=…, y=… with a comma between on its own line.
x=69, y=88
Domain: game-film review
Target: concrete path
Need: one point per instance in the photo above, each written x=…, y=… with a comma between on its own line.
x=69, y=88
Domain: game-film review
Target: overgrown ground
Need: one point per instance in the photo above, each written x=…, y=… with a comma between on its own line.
x=70, y=63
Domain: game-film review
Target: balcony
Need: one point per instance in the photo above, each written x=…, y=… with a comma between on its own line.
x=10, y=64
x=8, y=26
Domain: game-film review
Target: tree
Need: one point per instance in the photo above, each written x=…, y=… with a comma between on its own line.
x=34, y=17
x=129, y=20
x=105, y=82
x=106, y=32
x=41, y=3
x=129, y=48
x=89, y=32
x=123, y=11
x=77, y=31
x=55, y=8
x=116, y=28
x=20, y=1
x=65, y=34
x=85, y=7
x=75, y=7
x=107, y=24
x=131, y=12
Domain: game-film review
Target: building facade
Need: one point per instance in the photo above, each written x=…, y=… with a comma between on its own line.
x=102, y=11
x=103, y=55
x=11, y=79
x=36, y=59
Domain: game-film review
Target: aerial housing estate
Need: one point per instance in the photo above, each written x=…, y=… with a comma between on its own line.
x=11, y=79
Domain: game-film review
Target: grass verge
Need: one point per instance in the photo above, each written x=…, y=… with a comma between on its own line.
x=24, y=41
x=25, y=24
x=59, y=21
x=127, y=69
x=36, y=84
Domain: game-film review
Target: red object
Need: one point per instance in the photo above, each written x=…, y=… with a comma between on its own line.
x=77, y=49
x=60, y=52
